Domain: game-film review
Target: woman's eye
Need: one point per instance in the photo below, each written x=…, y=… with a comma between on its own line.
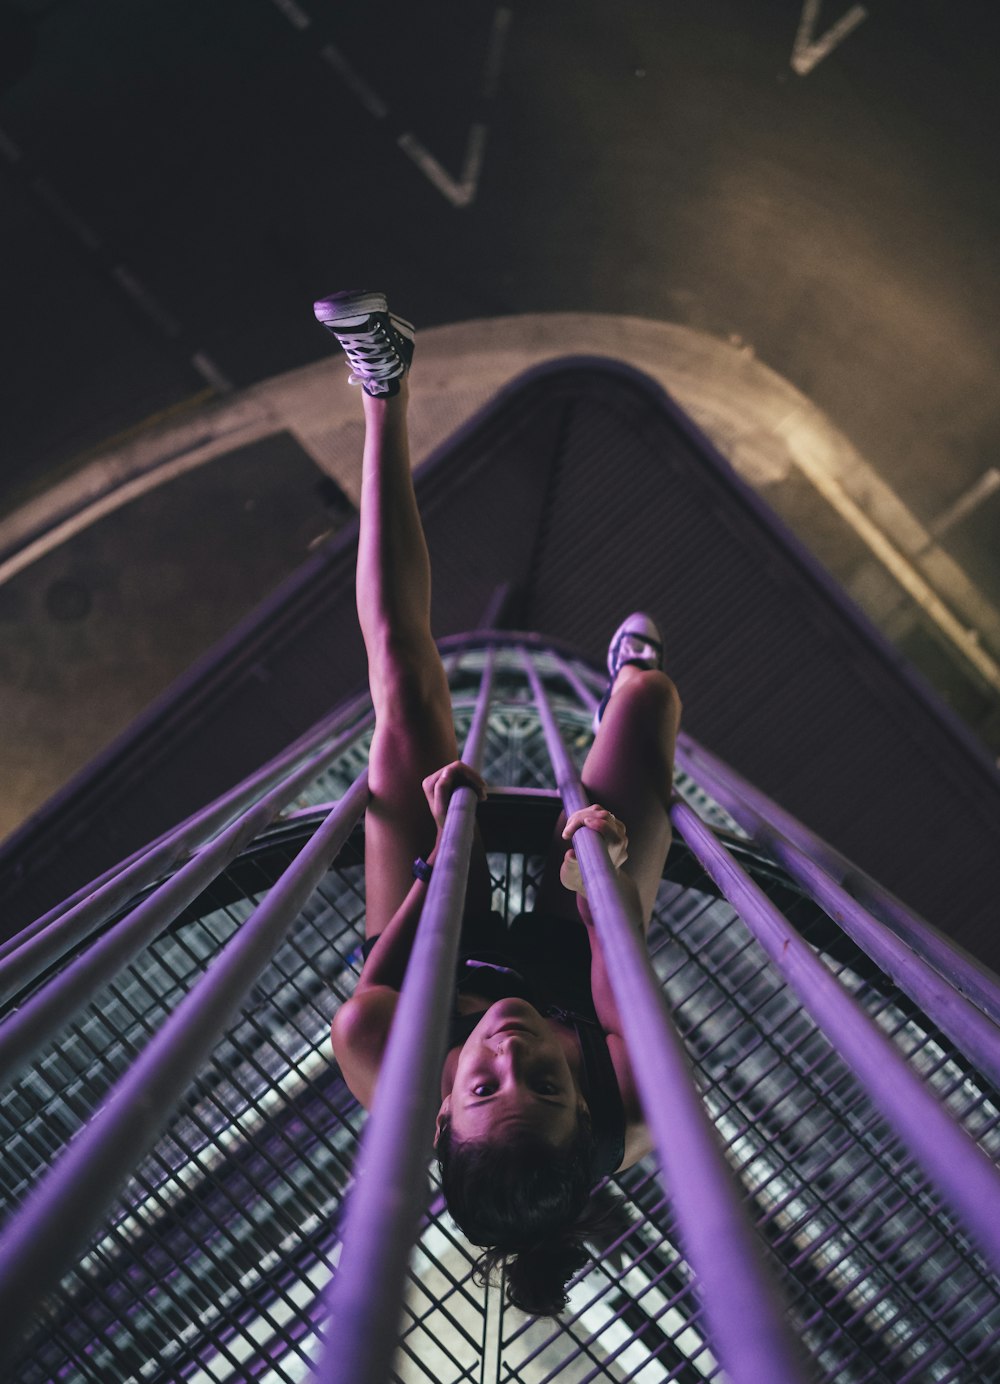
x=482, y=1089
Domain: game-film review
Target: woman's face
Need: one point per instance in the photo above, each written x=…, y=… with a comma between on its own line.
x=513, y=1075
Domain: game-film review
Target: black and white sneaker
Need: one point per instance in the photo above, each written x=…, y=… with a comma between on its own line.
x=378, y=345
x=636, y=640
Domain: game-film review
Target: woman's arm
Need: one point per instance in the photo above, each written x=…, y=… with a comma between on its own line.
x=637, y=1137
x=638, y=1141
x=361, y=1025
x=600, y=985
x=386, y=963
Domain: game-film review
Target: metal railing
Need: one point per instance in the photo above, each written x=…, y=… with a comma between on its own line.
x=56, y=1221
x=178, y=1143
x=749, y=1332
x=391, y=1186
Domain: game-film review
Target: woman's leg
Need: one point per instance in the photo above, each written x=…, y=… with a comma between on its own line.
x=414, y=731
x=629, y=770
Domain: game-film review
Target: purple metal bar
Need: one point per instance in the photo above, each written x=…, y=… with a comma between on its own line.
x=972, y=1032
x=30, y=1026
x=953, y=1161
x=29, y=960
x=936, y=973
x=86, y=909
x=749, y=1334
x=968, y=975
x=391, y=1185
x=63, y=1210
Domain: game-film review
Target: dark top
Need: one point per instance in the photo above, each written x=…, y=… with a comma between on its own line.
x=545, y=960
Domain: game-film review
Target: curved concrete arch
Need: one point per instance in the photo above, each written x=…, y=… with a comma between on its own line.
x=763, y=424
x=779, y=442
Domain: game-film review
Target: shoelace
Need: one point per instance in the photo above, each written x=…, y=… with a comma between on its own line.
x=372, y=355
x=636, y=647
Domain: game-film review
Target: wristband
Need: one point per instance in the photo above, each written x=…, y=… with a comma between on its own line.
x=422, y=871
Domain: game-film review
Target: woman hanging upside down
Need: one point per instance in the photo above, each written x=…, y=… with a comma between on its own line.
x=538, y=1103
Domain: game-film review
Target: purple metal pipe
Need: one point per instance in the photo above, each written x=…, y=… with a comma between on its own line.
x=153, y=914
x=30, y=1026
x=954, y=1162
x=86, y=909
x=972, y=1032
x=391, y=1184
x=746, y=1324
x=817, y=861
x=63, y=1210
x=946, y=956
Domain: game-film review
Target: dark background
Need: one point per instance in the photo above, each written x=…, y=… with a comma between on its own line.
x=179, y=178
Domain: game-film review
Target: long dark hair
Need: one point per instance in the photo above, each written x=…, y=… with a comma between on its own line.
x=530, y=1208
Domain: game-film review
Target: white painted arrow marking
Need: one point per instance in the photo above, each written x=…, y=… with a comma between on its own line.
x=807, y=50
x=460, y=191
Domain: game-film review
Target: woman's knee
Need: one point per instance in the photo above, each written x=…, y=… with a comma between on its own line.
x=653, y=694
x=407, y=679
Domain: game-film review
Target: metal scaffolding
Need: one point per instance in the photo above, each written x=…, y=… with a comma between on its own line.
x=819, y=1074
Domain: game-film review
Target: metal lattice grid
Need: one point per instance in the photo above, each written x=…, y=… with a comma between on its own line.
x=210, y=1265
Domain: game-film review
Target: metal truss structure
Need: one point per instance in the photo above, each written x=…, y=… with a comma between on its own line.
x=179, y=1143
